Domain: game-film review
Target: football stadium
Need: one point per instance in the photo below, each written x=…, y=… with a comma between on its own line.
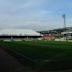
x=28, y=47
x=35, y=35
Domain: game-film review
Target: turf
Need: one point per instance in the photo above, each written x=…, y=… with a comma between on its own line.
x=48, y=54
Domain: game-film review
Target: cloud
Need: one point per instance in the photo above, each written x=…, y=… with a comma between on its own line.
x=35, y=14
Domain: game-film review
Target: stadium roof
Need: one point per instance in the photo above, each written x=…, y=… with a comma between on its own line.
x=19, y=32
x=67, y=32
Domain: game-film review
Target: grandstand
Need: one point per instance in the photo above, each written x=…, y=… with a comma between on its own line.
x=19, y=34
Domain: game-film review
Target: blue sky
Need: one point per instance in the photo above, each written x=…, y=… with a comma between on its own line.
x=35, y=14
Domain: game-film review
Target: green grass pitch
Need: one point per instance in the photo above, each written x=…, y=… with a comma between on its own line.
x=48, y=54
